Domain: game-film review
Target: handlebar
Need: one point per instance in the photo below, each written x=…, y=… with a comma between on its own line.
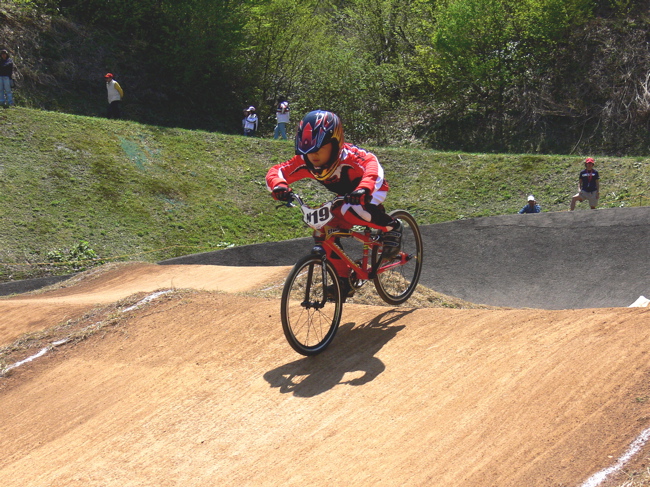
x=295, y=197
x=316, y=217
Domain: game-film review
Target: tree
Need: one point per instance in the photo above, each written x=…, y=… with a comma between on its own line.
x=284, y=42
x=486, y=57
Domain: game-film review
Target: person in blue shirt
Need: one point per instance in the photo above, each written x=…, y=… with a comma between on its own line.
x=588, y=186
x=531, y=207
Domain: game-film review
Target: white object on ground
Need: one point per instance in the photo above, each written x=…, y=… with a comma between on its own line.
x=642, y=302
x=43, y=351
x=635, y=447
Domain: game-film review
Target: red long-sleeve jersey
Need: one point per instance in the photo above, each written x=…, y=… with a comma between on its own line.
x=357, y=168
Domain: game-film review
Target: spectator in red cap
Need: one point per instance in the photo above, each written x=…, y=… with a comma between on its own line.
x=115, y=95
x=588, y=186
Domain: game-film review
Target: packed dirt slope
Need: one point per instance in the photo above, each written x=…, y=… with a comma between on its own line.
x=33, y=312
x=200, y=388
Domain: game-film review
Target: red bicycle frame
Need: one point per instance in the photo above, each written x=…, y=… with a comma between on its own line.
x=365, y=268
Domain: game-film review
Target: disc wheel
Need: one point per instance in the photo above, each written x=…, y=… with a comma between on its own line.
x=396, y=284
x=309, y=317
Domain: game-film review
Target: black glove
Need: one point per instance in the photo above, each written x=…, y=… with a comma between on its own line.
x=282, y=193
x=357, y=197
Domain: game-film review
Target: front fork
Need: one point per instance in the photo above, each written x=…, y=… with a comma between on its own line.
x=307, y=302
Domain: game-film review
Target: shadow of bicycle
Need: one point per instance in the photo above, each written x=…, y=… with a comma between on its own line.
x=348, y=360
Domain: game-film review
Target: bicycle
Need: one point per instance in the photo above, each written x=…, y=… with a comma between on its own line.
x=311, y=299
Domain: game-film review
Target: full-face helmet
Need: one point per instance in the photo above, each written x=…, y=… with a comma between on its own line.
x=315, y=130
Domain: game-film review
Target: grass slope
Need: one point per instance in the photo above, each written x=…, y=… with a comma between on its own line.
x=71, y=185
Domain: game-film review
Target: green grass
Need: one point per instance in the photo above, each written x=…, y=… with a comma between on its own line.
x=73, y=185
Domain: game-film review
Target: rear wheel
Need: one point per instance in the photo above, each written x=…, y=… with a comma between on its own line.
x=397, y=283
x=309, y=317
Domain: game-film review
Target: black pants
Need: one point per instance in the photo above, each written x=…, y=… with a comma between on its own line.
x=114, y=110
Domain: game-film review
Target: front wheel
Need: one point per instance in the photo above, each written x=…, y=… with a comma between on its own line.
x=311, y=315
x=396, y=281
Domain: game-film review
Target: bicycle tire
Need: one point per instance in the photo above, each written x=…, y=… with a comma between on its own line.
x=309, y=318
x=396, y=285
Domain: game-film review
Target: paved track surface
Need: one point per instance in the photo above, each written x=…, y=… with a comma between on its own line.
x=562, y=260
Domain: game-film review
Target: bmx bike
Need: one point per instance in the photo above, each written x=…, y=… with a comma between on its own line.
x=312, y=301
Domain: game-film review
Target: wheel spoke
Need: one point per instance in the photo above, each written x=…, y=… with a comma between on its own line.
x=397, y=283
x=309, y=320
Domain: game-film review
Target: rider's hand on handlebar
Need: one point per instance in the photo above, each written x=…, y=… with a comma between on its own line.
x=282, y=193
x=357, y=197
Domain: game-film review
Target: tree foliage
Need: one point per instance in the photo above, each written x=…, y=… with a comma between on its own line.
x=284, y=42
x=508, y=75
x=488, y=61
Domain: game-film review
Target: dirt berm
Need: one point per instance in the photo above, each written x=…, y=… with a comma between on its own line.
x=198, y=386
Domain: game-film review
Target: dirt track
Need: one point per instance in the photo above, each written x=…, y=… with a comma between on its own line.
x=199, y=389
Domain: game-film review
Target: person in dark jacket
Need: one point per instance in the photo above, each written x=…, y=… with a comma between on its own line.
x=531, y=206
x=6, y=74
x=588, y=186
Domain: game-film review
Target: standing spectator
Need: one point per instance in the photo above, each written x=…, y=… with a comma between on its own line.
x=282, y=115
x=250, y=122
x=6, y=74
x=243, y=121
x=588, y=186
x=531, y=206
x=115, y=95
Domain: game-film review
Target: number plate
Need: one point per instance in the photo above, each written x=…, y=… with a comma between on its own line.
x=317, y=218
